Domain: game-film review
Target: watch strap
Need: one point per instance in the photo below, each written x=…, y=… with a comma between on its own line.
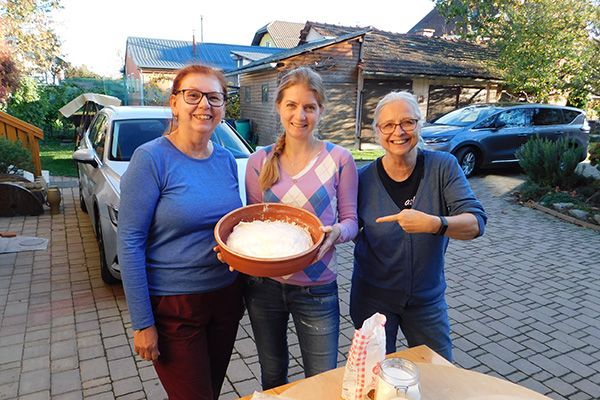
x=443, y=226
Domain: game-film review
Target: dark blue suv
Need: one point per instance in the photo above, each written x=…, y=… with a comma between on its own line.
x=482, y=135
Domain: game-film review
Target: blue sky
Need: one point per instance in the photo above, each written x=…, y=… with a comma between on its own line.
x=94, y=33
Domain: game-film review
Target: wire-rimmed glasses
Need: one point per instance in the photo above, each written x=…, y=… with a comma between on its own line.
x=407, y=125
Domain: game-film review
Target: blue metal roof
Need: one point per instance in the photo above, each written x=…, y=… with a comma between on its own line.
x=175, y=54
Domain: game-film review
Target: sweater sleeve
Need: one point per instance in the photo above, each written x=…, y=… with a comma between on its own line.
x=140, y=191
x=347, y=194
x=459, y=196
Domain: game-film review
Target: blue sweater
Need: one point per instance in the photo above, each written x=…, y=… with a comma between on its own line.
x=170, y=204
x=402, y=268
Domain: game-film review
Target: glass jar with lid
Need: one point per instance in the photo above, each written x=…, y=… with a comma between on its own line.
x=398, y=379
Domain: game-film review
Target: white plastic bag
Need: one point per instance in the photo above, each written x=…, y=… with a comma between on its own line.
x=366, y=352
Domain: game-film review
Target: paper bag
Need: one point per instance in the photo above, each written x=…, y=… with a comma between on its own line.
x=366, y=352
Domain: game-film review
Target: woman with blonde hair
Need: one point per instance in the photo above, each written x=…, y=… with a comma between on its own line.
x=304, y=171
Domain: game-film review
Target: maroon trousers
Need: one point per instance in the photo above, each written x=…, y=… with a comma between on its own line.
x=196, y=333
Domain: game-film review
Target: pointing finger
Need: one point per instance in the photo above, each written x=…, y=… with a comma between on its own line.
x=387, y=218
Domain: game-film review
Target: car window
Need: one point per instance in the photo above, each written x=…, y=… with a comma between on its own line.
x=98, y=134
x=128, y=135
x=227, y=138
x=547, y=116
x=464, y=116
x=570, y=115
x=514, y=118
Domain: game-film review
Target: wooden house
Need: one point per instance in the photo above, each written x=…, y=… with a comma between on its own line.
x=359, y=66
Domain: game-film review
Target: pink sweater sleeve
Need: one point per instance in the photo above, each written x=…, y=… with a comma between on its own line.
x=347, y=197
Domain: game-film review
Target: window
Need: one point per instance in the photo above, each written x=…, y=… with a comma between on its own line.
x=128, y=135
x=512, y=118
x=247, y=94
x=547, y=116
x=98, y=134
x=570, y=115
x=265, y=93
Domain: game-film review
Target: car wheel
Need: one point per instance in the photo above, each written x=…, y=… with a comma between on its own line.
x=468, y=159
x=81, y=201
x=107, y=277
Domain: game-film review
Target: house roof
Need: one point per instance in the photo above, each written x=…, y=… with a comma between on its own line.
x=284, y=34
x=150, y=53
x=386, y=53
x=396, y=54
x=250, y=55
x=282, y=55
x=328, y=31
x=433, y=20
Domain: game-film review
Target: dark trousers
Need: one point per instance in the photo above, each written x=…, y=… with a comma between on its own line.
x=196, y=333
x=421, y=324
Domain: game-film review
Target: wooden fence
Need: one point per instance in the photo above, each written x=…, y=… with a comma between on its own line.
x=14, y=129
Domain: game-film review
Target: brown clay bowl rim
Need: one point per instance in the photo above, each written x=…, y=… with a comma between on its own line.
x=312, y=248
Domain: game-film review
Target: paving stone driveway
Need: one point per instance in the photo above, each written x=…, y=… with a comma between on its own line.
x=524, y=303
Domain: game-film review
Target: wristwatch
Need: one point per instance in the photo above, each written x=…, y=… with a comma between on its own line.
x=443, y=226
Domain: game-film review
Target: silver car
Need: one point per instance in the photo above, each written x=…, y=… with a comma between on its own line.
x=489, y=134
x=103, y=156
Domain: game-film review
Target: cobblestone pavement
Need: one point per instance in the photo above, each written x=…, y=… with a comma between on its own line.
x=524, y=303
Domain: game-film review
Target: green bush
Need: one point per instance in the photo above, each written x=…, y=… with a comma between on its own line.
x=38, y=104
x=532, y=191
x=549, y=163
x=13, y=157
x=557, y=197
x=233, y=106
x=594, y=150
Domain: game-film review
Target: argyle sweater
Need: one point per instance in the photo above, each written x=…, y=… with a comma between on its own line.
x=327, y=187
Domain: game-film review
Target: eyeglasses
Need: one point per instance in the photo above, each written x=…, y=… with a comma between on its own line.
x=193, y=97
x=407, y=125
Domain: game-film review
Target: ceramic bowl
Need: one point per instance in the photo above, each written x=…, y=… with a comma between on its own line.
x=264, y=267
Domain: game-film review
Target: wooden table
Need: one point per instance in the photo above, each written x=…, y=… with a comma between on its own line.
x=439, y=379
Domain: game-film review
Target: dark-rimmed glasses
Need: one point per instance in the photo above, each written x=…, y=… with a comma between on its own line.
x=407, y=125
x=193, y=97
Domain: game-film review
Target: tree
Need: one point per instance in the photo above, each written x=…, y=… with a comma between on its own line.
x=545, y=48
x=81, y=71
x=9, y=74
x=28, y=32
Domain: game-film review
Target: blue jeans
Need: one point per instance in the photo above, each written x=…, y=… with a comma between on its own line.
x=421, y=324
x=315, y=311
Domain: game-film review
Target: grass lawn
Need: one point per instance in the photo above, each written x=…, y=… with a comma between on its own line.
x=367, y=155
x=56, y=158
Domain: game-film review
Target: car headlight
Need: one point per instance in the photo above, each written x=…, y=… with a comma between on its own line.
x=437, y=139
x=113, y=214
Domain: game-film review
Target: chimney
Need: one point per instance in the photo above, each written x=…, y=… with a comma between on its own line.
x=193, y=45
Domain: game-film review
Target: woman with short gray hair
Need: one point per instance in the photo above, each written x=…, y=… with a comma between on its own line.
x=410, y=202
